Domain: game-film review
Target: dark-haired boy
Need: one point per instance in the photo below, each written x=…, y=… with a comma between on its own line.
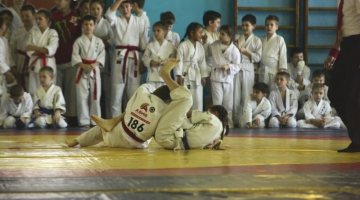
x=88, y=55
x=298, y=71
x=256, y=107
x=250, y=48
x=16, y=109
x=18, y=43
x=273, y=58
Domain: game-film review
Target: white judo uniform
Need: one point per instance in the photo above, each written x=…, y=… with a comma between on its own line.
x=155, y=51
x=192, y=67
x=252, y=111
x=130, y=37
x=278, y=107
x=293, y=85
x=16, y=21
x=144, y=17
x=273, y=59
x=244, y=80
x=49, y=39
x=10, y=112
x=313, y=110
x=6, y=62
x=103, y=28
x=222, y=81
x=176, y=132
x=211, y=38
x=18, y=45
x=142, y=116
x=88, y=84
x=47, y=102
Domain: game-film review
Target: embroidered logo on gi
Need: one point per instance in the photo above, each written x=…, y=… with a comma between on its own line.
x=144, y=106
x=152, y=109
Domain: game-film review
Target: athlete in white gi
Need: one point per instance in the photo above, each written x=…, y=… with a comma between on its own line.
x=280, y=108
x=18, y=45
x=136, y=126
x=273, y=59
x=254, y=111
x=49, y=40
x=48, y=102
x=130, y=37
x=6, y=61
x=222, y=78
x=159, y=53
x=244, y=80
x=88, y=82
x=193, y=69
x=11, y=111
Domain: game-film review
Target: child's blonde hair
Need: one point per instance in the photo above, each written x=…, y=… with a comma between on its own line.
x=48, y=70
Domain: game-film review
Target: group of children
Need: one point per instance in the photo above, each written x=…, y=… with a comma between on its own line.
x=90, y=55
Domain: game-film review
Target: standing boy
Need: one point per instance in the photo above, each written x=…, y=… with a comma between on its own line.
x=130, y=37
x=88, y=54
x=250, y=48
x=273, y=58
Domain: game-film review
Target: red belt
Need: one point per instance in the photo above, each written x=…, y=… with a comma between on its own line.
x=39, y=56
x=128, y=49
x=89, y=62
x=131, y=134
x=24, y=67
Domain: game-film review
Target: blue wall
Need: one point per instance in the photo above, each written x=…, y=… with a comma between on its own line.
x=187, y=11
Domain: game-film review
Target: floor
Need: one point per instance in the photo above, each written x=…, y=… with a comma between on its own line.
x=254, y=164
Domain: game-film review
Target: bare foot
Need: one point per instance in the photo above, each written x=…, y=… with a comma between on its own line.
x=71, y=143
x=168, y=66
x=106, y=124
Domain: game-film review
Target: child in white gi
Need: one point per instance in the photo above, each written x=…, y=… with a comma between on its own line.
x=49, y=101
x=41, y=48
x=156, y=54
x=15, y=111
x=211, y=22
x=318, y=111
x=283, y=103
x=226, y=62
x=6, y=77
x=273, y=58
x=104, y=31
x=250, y=48
x=130, y=37
x=192, y=69
x=300, y=74
x=136, y=126
x=257, y=108
x=18, y=42
x=169, y=19
x=8, y=17
x=88, y=55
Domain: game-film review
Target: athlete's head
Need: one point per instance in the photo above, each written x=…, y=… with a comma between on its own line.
x=163, y=93
x=220, y=112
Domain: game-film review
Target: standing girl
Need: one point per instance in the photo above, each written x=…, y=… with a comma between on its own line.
x=8, y=18
x=192, y=69
x=103, y=30
x=226, y=63
x=68, y=27
x=157, y=53
x=83, y=8
x=41, y=47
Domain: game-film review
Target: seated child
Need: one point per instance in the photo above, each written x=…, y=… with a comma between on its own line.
x=318, y=111
x=49, y=101
x=299, y=73
x=15, y=111
x=256, y=107
x=284, y=103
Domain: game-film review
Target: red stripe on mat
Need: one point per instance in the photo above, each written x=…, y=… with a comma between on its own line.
x=231, y=170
